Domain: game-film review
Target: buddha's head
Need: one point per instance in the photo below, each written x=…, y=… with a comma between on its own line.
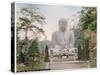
x=62, y=24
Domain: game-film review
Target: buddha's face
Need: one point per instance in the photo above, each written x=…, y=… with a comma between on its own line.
x=63, y=24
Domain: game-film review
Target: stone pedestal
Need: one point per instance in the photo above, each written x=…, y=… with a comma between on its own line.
x=65, y=54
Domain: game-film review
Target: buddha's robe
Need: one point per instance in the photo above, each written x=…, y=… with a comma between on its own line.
x=65, y=40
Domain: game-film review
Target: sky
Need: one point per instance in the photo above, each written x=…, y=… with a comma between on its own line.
x=53, y=13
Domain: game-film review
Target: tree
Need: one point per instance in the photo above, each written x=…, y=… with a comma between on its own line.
x=26, y=20
x=88, y=24
x=88, y=18
x=82, y=44
x=34, y=54
x=28, y=17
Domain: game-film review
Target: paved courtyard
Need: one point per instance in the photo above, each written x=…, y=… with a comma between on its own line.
x=68, y=65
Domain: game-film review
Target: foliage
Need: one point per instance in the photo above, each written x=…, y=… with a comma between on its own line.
x=88, y=24
x=27, y=18
x=33, y=54
x=33, y=47
x=33, y=57
x=82, y=44
x=88, y=18
x=28, y=49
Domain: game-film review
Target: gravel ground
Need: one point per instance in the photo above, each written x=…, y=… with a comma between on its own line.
x=68, y=65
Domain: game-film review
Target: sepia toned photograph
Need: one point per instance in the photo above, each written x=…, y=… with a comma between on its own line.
x=55, y=37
